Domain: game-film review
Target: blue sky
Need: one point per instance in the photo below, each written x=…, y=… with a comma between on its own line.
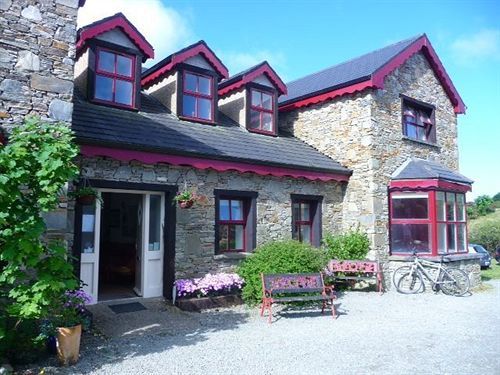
x=301, y=37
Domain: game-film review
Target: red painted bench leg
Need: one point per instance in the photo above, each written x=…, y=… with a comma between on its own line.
x=334, y=313
x=270, y=314
x=262, y=308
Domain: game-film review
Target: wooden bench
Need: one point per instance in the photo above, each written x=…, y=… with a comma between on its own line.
x=355, y=270
x=292, y=287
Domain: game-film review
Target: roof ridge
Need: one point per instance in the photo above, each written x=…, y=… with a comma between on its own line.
x=415, y=37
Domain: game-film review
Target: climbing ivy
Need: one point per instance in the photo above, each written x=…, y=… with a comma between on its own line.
x=35, y=166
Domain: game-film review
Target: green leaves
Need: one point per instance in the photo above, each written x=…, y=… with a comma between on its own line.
x=353, y=244
x=35, y=166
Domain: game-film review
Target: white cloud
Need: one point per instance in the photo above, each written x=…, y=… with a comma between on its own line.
x=482, y=45
x=163, y=27
x=239, y=61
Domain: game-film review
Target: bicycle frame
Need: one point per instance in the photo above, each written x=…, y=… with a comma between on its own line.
x=418, y=264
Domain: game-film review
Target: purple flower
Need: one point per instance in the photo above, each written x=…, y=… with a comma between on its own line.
x=209, y=284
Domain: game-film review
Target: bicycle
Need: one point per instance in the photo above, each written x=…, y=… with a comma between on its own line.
x=452, y=281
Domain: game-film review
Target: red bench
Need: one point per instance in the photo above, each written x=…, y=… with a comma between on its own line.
x=355, y=270
x=295, y=287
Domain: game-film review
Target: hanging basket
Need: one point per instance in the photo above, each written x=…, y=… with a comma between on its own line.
x=86, y=200
x=186, y=204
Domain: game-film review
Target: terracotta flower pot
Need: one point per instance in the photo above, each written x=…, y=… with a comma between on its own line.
x=86, y=200
x=68, y=344
x=186, y=204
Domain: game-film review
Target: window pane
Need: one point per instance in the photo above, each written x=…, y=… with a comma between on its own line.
x=88, y=226
x=154, y=222
x=224, y=209
x=205, y=108
x=305, y=233
x=236, y=210
x=450, y=235
x=441, y=228
x=267, y=101
x=295, y=232
x=296, y=211
x=236, y=237
x=440, y=206
x=256, y=98
x=124, y=66
x=267, y=121
x=410, y=206
x=304, y=212
x=223, y=237
x=461, y=237
x=190, y=82
x=421, y=134
x=123, y=92
x=103, y=88
x=189, y=106
x=411, y=131
x=450, y=206
x=406, y=238
x=106, y=62
x=460, y=207
x=204, y=85
x=254, y=119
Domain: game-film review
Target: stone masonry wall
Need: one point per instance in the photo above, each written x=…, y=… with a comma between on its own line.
x=363, y=132
x=195, y=226
x=37, y=50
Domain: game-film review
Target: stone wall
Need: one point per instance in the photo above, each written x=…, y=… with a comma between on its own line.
x=364, y=133
x=37, y=50
x=195, y=226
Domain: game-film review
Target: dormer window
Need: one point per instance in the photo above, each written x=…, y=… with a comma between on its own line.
x=198, y=97
x=261, y=111
x=114, y=78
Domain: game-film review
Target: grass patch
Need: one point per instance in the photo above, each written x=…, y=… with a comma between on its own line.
x=492, y=273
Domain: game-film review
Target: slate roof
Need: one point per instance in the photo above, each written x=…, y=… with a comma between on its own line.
x=347, y=73
x=417, y=169
x=155, y=129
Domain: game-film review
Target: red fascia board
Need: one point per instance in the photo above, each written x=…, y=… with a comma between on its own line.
x=432, y=184
x=423, y=44
x=250, y=76
x=377, y=79
x=357, y=87
x=118, y=21
x=199, y=163
x=176, y=59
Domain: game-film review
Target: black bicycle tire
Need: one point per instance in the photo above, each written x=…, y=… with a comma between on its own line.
x=414, y=275
x=463, y=278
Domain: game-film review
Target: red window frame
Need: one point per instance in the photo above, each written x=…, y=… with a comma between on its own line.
x=454, y=222
x=197, y=95
x=115, y=76
x=231, y=222
x=432, y=222
x=297, y=224
x=261, y=111
x=413, y=109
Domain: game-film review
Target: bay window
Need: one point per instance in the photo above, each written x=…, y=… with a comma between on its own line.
x=431, y=222
x=198, y=96
x=115, y=78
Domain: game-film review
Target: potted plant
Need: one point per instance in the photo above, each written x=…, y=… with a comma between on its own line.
x=69, y=314
x=86, y=195
x=185, y=199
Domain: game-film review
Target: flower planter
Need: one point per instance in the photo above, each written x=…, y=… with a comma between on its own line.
x=68, y=344
x=186, y=204
x=86, y=200
x=197, y=304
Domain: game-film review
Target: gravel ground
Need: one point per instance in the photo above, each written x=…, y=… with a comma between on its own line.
x=389, y=334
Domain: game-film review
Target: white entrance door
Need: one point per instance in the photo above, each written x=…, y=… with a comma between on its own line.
x=89, y=264
x=139, y=248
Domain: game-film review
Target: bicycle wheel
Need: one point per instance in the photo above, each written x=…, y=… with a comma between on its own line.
x=410, y=283
x=398, y=272
x=454, y=282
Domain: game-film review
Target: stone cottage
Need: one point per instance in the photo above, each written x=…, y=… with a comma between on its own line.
x=371, y=142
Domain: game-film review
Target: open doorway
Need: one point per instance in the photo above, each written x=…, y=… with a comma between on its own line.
x=120, y=237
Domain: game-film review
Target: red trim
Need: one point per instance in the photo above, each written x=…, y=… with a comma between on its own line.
x=115, y=76
x=434, y=184
x=253, y=74
x=199, y=48
x=201, y=163
x=377, y=79
x=118, y=20
x=198, y=95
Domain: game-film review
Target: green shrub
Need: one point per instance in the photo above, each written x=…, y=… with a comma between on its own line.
x=486, y=231
x=277, y=257
x=351, y=245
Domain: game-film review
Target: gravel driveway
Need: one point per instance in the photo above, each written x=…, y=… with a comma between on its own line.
x=388, y=334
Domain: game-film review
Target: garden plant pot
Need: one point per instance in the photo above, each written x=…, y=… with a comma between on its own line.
x=86, y=200
x=68, y=344
x=186, y=204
